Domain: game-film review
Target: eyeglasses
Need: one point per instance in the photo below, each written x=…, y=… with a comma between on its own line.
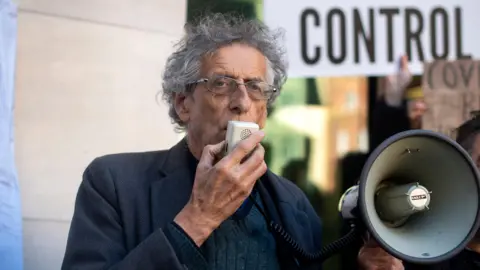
x=225, y=86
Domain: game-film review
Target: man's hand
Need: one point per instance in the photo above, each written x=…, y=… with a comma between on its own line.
x=220, y=188
x=373, y=257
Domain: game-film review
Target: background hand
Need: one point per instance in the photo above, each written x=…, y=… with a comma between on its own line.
x=396, y=84
x=373, y=257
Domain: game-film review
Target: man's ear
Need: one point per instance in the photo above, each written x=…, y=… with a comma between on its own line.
x=181, y=103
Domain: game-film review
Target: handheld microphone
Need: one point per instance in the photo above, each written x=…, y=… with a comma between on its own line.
x=237, y=131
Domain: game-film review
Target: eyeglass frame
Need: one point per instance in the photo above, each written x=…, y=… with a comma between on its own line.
x=237, y=84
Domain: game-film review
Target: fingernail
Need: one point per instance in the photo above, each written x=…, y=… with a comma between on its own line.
x=261, y=133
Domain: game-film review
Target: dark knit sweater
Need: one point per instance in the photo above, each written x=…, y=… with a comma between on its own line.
x=243, y=243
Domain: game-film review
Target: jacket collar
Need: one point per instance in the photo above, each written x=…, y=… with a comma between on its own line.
x=171, y=191
x=175, y=159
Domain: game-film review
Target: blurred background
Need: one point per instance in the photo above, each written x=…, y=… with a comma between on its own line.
x=86, y=77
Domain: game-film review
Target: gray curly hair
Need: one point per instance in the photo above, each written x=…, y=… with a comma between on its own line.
x=210, y=33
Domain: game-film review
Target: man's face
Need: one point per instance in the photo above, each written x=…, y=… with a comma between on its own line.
x=475, y=152
x=475, y=155
x=416, y=109
x=207, y=114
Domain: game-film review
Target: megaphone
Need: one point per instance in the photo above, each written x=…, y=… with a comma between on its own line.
x=418, y=197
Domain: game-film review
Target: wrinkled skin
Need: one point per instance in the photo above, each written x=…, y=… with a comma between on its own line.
x=208, y=114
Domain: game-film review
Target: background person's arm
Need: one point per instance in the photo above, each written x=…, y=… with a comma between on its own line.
x=390, y=114
x=395, y=84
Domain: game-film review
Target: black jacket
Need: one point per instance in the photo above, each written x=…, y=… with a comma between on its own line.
x=125, y=201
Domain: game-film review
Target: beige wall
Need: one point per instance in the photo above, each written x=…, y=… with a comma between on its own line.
x=87, y=75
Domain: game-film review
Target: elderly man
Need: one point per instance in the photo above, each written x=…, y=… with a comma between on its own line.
x=177, y=209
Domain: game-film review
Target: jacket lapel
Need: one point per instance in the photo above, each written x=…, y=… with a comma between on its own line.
x=279, y=210
x=272, y=193
x=289, y=214
x=172, y=189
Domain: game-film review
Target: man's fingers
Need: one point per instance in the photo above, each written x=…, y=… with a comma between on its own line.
x=243, y=148
x=252, y=160
x=371, y=243
x=210, y=153
x=250, y=177
x=372, y=256
x=254, y=167
x=402, y=77
x=259, y=171
x=404, y=63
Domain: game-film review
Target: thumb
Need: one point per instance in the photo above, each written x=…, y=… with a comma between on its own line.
x=371, y=243
x=211, y=152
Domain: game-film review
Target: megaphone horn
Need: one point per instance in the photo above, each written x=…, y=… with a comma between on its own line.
x=418, y=197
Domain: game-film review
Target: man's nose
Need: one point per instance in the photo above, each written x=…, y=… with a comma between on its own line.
x=240, y=100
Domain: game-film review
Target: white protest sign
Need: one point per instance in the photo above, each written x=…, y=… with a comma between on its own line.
x=351, y=37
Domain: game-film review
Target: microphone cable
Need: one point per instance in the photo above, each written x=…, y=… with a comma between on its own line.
x=301, y=254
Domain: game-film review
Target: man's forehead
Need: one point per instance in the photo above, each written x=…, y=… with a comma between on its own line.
x=250, y=64
x=219, y=73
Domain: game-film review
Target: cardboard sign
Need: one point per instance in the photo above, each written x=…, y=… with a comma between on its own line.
x=451, y=92
x=366, y=38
